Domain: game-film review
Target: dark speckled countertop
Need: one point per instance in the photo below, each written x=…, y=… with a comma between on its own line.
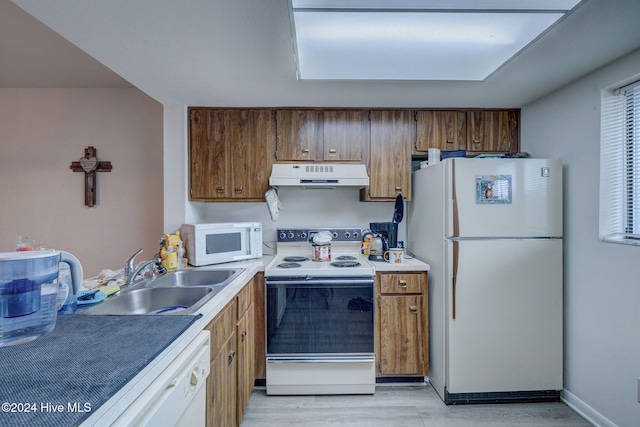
x=60, y=378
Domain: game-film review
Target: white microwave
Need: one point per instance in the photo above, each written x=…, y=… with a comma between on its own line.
x=221, y=242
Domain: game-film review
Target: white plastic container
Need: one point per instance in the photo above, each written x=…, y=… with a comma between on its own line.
x=29, y=293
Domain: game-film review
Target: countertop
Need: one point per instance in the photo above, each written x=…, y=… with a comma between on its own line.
x=58, y=379
x=409, y=264
x=106, y=414
x=109, y=411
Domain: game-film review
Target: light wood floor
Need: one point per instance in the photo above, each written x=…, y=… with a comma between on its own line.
x=400, y=406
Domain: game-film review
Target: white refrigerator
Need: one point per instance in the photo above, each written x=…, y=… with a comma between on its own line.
x=491, y=230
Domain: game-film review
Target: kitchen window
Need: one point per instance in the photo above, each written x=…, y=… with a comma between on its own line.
x=620, y=165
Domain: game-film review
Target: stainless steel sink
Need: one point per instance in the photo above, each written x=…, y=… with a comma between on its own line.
x=157, y=300
x=180, y=292
x=218, y=277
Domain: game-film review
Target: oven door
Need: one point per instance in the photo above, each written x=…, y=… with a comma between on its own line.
x=320, y=317
x=320, y=336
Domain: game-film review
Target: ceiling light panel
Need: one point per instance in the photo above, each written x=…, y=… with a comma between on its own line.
x=563, y=5
x=382, y=40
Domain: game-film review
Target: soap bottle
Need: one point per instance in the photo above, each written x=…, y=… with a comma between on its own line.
x=180, y=253
x=171, y=260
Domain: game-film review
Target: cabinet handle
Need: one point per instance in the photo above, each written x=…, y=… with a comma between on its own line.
x=402, y=283
x=239, y=190
x=332, y=152
x=305, y=151
x=232, y=354
x=243, y=335
x=413, y=309
x=476, y=141
x=220, y=189
x=398, y=188
x=449, y=141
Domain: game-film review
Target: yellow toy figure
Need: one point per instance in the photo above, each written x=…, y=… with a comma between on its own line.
x=366, y=242
x=169, y=250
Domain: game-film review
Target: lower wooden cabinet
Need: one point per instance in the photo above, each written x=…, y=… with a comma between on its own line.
x=221, y=383
x=232, y=376
x=259, y=324
x=245, y=332
x=402, y=347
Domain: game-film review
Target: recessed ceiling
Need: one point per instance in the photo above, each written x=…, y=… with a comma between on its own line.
x=415, y=39
x=239, y=53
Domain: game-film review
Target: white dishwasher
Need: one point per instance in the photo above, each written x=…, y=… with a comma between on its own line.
x=178, y=396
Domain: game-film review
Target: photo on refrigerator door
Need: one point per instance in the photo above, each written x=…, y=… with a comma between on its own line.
x=493, y=189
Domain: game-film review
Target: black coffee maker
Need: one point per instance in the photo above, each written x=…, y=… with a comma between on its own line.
x=388, y=231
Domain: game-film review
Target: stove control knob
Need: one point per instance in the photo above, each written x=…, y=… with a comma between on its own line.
x=283, y=235
x=334, y=234
x=303, y=235
x=291, y=235
x=347, y=235
x=356, y=235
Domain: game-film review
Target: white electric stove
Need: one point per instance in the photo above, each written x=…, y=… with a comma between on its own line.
x=320, y=316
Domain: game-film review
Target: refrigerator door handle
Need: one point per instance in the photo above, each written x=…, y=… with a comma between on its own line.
x=454, y=278
x=456, y=225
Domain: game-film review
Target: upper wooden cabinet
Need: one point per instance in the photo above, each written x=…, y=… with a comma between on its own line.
x=230, y=153
x=208, y=157
x=476, y=131
x=389, y=159
x=346, y=133
x=494, y=131
x=321, y=136
x=298, y=134
x=442, y=129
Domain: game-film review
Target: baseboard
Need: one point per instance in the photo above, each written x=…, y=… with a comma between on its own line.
x=397, y=380
x=585, y=411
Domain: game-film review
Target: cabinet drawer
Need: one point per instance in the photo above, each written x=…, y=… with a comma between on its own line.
x=222, y=326
x=401, y=283
x=244, y=299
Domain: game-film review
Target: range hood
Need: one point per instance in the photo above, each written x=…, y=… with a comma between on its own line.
x=319, y=175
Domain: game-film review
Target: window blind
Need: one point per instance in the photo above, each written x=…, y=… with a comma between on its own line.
x=620, y=165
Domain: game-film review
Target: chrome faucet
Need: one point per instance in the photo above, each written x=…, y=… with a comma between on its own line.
x=130, y=267
x=131, y=280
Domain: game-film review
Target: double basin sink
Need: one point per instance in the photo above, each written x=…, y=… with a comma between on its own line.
x=180, y=292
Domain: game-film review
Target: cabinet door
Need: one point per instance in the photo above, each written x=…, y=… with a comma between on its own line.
x=298, y=134
x=345, y=135
x=208, y=160
x=223, y=387
x=494, y=131
x=401, y=335
x=246, y=360
x=251, y=147
x=442, y=129
x=392, y=136
x=259, y=325
x=222, y=329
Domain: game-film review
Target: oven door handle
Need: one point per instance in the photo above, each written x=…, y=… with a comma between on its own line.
x=364, y=359
x=319, y=280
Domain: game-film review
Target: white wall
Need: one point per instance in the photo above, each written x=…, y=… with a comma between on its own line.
x=41, y=132
x=305, y=208
x=602, y=290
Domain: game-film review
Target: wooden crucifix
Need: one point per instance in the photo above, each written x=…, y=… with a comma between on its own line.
x=89, y=164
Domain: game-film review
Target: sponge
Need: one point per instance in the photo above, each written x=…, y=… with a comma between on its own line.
x=109, y=288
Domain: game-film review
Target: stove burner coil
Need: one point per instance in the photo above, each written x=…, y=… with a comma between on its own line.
x=289, y=265
x=345, y=264
x=345, y=258
x=295, y=259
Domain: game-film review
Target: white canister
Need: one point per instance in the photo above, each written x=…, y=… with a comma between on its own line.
x=322, y=252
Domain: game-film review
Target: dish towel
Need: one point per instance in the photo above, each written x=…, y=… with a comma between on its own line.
x=273, y=203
